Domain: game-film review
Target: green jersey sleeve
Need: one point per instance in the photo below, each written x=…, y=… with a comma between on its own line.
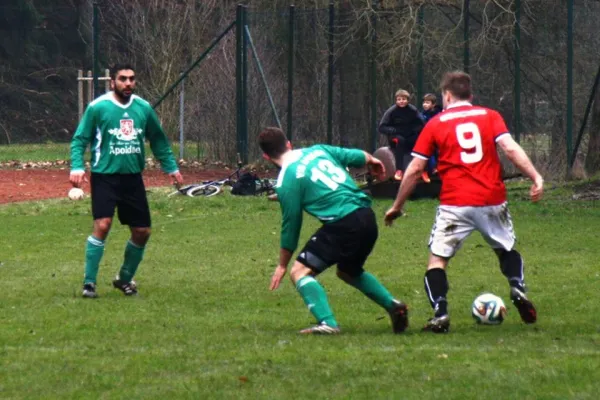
x=290, y=199
x=160, y=144
x=82, y=137
x=354, y=158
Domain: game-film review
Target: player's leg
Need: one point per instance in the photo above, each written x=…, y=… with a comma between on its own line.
x=429, y=171
x=103, y=209
x=134, y=211
x=436, y=288
x=319, y=253
x=315, y=298
x=396, y=144
x=360, y=234
x=452, y=226
x=496, y=227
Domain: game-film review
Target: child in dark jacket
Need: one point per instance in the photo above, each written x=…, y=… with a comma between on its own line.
x=430, y=110
x=401, y=123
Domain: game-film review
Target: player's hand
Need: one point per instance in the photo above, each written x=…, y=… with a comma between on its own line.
x=537, y=190
x=376, y=168
x=273, y=197
x=277, y=277
x=391, y=215
x=176, y=178
x=77, y=178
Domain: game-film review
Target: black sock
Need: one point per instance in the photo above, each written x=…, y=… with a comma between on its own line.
x=511, y=265
x=436, y=287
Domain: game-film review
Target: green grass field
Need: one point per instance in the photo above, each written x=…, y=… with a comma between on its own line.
x=36, y=152
x=205, y=326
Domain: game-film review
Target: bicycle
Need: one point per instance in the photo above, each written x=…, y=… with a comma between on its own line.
x=213, y=187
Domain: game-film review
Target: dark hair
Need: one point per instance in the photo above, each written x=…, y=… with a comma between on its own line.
x=430, y=97
x=114, y=70
x=458, y=83
x=272, y=142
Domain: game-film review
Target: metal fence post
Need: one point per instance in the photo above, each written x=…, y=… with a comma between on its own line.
x=373, y=79
x=96, y=51
x=421, y=25
x=517, y=82
x=239, y=92
x=466, y=17
x=330, y=73
x=291, y=30
x=569, y=82
x=181, y=120
x=244, y=142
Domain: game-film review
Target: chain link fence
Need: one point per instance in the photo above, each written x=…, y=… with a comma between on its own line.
x=324, y=74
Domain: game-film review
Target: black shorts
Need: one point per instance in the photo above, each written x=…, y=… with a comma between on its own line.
x=126, y=192
x=347, y=243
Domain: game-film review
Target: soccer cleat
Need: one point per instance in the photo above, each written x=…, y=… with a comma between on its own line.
x=438, y=324
x=399, y=175
x=399, y=316
x=321, y=329
x=89, y=291
x=524, y=305
x=425, y=177
x=132, y=283
x=127, y=288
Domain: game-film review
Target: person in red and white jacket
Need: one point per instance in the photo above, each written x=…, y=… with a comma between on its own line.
x=473, y=195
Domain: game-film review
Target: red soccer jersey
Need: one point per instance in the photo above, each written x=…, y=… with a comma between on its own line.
x=465, y=137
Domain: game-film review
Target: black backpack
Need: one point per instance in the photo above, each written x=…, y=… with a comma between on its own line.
x=246, y=185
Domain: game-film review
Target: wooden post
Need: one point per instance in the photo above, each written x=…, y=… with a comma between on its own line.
x=80, y=92
x=90, y=93
x=107, y=82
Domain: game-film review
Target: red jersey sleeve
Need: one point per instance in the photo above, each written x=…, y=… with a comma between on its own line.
x=498, y=125
x=425, y=145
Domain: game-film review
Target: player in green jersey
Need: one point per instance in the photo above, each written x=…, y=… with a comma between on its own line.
x=115, y=126
x=315, y=180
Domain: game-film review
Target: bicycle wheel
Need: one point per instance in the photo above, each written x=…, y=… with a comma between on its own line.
x=182, y=190
x=204, y=190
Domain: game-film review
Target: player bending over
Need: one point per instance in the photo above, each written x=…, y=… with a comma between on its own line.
x=315, y=180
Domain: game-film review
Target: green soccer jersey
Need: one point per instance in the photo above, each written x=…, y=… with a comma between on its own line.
x=116, y=134
x=315, y=180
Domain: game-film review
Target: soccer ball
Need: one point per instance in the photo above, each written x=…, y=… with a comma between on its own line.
x=76, y=194
x=488, y=309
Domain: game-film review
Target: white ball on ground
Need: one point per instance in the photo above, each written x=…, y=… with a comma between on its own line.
x=488, y=309
x=76, y=194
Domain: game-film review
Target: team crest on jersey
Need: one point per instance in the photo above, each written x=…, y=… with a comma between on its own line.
x=127, y=127
x=126, y=131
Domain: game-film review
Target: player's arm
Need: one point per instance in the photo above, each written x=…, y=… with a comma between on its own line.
x=161, y=148
x=356, y=158
x=515, y=153
x=385, y=125
x=422, y=151
x=81, y=139
x=290, y=201
x=409, y=182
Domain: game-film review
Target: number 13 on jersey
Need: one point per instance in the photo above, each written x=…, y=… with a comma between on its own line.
x=328, y=173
